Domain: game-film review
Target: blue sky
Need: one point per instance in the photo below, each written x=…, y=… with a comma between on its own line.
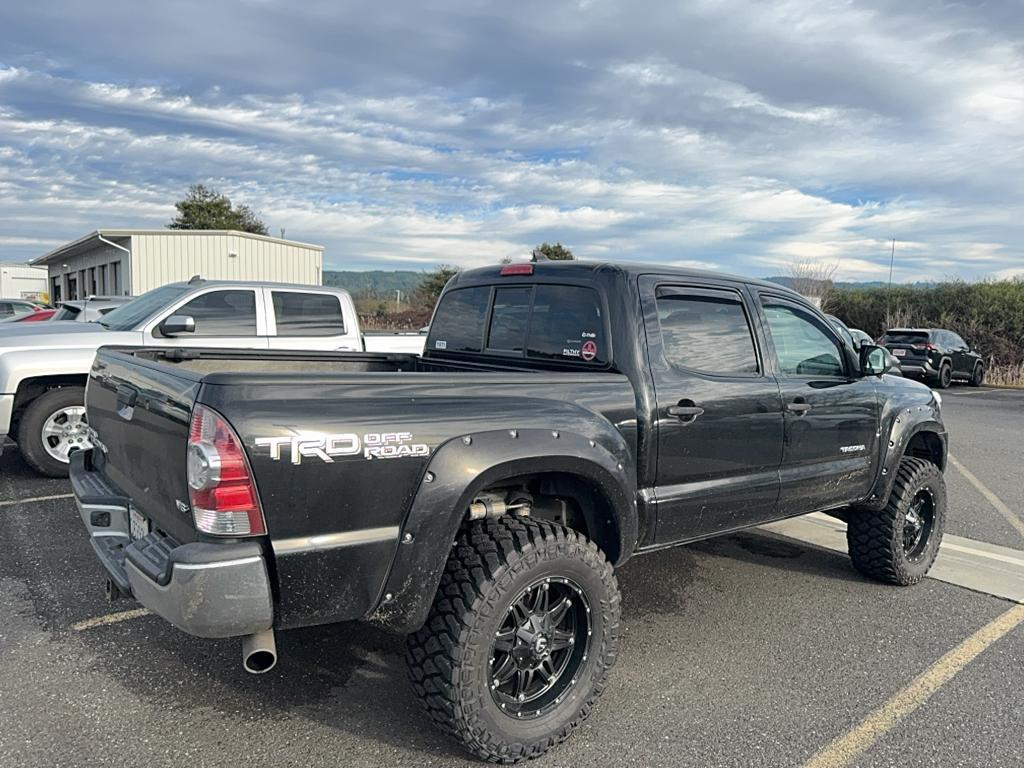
x=742, y=136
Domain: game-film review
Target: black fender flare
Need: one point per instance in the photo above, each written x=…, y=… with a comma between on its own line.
x=463, y=466
x=905, y=424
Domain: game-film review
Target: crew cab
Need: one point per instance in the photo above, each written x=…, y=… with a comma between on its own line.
x=44, y=366
x=563, y=418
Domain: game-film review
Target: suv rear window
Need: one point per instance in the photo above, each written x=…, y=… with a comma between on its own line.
x=905, y=337
x=552, y=322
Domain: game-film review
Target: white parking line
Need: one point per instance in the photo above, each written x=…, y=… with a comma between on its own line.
x=992, y=499
x=15, y=502
x=975, y=565
x=110, y=618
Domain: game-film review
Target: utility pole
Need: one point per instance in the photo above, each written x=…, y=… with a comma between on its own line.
x=398, y=300
x=888, y=293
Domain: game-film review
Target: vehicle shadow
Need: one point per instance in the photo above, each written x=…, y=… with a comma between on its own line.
x=351, y=677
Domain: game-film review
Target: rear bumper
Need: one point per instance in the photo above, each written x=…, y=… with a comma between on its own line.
x=919, y=370
x=205, y=589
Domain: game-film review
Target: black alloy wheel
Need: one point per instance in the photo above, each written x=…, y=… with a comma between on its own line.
x=539, y=648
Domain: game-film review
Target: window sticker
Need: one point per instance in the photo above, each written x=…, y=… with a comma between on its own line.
x=440, y=344
x=589, y=350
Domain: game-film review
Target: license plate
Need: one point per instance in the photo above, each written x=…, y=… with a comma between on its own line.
x=900, y=352
x=138, y=525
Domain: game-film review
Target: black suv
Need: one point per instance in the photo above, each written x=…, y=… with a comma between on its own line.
x=936, y=355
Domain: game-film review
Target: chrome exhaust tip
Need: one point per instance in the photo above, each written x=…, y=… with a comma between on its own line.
x=259, y=652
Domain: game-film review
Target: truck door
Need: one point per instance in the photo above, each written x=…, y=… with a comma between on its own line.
x=308, y=319
x=719, y=414
x=831, y=413
x=223, y=317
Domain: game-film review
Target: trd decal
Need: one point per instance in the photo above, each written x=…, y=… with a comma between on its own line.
x=852, y=448
x=373, y=445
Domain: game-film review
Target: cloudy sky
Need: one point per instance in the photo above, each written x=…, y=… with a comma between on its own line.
x=743, y=136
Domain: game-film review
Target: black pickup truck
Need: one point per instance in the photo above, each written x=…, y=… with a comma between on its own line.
x=563, y=418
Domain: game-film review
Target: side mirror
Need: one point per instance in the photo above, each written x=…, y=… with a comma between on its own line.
x=176, y=324
x=875, y=360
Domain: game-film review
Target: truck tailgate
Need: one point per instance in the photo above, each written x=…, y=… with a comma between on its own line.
x=139, y=413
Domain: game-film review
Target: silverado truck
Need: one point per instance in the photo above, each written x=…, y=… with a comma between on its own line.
x=44, y=366
x=563, y=418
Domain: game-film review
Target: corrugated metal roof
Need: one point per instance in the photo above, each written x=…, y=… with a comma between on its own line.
x=87, y=241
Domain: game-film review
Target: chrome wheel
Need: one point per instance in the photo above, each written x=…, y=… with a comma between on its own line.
x=918, y=524
x=539, y=648
x=65, y=432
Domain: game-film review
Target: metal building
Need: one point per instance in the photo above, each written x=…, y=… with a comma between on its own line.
x=20, y=281
x=128, y=262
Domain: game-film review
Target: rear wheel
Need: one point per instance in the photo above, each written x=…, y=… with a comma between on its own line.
x=520, y=639
x=899, y=543
x=978, y=376
x=52, y=428
x=945, y=376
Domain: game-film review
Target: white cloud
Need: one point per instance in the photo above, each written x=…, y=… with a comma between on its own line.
x=648, y=132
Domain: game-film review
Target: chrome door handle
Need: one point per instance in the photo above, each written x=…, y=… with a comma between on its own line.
x=798, y=408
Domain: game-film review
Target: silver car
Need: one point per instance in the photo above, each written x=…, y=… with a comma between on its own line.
x=88, y=310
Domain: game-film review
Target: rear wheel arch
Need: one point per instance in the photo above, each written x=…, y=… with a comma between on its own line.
x=30, y=389
x=553, y=462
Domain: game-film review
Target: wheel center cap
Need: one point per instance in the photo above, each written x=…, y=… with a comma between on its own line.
x=540, y=645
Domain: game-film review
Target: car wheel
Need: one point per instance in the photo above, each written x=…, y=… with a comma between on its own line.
x=899, y=543
x=945, y=376
x=978, y=376
x=520, y=639
x=52, y=428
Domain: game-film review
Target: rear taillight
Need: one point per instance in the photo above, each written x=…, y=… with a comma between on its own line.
x=220, y=485
x=929, y=347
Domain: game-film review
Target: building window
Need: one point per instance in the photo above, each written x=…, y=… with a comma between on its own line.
x=92, y=281
x=55, y=290
x=115, y=278
x=103, y=280
x=72, y=287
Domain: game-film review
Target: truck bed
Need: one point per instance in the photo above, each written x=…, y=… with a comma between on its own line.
x=400, y=409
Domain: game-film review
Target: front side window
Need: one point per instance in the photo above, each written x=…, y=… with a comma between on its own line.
x=706, y=331
x=221, y=313
x=458, y=324
x=802, y=345
x=307, y=314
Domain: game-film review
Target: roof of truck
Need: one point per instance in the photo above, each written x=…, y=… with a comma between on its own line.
x=582, y=268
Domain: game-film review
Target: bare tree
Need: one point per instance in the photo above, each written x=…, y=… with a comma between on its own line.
x=812, y=279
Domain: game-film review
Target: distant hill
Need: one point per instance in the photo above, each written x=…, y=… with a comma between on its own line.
x=788, y=282
x=374, y=283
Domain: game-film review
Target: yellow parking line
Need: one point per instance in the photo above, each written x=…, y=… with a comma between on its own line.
x=994, y=500
x=14, y=502
x=847, y=747
x=110, y=618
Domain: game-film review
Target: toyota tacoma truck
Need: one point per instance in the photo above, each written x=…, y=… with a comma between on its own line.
x=44, y=366
x=563, y=418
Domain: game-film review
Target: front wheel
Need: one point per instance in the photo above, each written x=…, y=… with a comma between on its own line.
x=899, y=543
x=520, y=639
x=52, y=428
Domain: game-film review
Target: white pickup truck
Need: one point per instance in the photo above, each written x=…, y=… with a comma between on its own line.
x=44, y=366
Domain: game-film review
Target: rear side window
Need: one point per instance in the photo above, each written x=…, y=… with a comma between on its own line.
x=706, y=331
x=458, y=324
x=222, y=313
x=307, y=314
x=566, y=324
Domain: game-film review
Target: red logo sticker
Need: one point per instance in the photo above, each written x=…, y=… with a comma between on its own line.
x=588, y=351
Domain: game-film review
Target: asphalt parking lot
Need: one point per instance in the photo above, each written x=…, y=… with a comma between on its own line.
x=752, y=650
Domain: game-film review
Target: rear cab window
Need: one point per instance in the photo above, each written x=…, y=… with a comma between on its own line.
x=564, y=323
x=905, y=337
